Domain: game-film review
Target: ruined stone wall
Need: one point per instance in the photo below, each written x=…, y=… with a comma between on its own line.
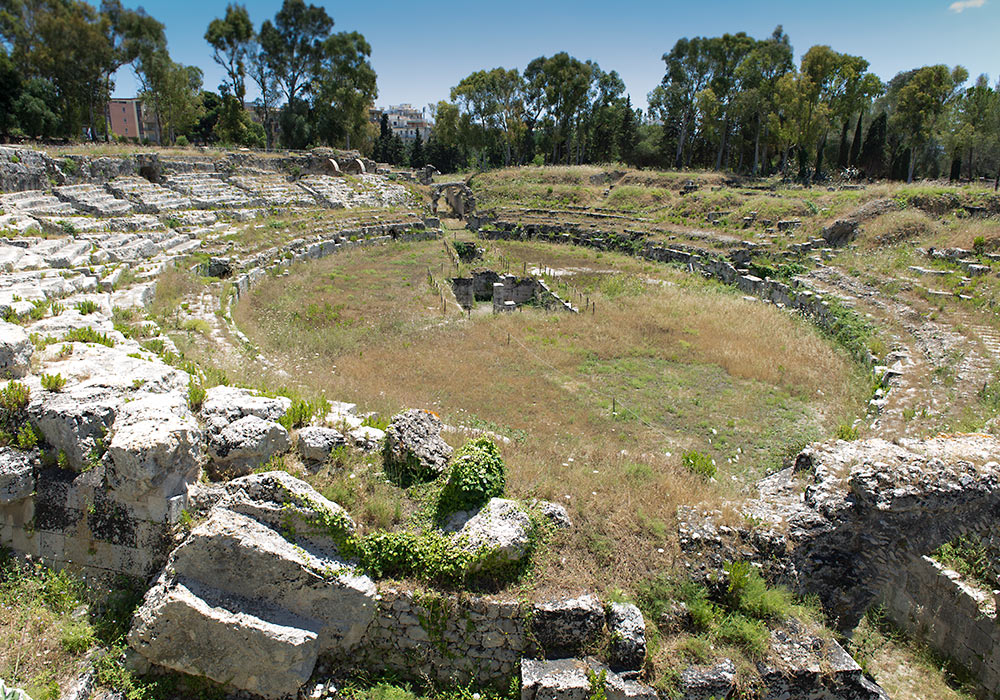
x=723, y=270
x=447, y=638
x=932, y=603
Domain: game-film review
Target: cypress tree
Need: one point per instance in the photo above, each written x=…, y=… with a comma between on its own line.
x=417, y=157
x=856, y=143
x=872, y=159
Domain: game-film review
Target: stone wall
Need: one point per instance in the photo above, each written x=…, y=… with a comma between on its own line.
x=932, y=603
x=450, y=639
x=726, y=269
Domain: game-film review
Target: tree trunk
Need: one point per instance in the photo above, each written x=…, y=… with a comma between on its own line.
x=842, y=154
x=679, y=159
x=856, y=144
x=819, y=157
x=913, y=160
x=970, y=163
x=756, y=146
x=722, y=143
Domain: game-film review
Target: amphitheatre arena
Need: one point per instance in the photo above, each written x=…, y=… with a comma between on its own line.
x=301, y=420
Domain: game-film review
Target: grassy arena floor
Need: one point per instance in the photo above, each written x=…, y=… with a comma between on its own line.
x=689, y=364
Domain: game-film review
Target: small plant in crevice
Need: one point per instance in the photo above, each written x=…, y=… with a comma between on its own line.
x=87, y=306
x=53, y=382
x=195, y=394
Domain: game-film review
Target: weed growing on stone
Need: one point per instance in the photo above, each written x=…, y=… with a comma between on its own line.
x=53, y=382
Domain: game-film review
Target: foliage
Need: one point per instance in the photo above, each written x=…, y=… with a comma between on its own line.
x=14, y=397
x=87, y=306
x=699, y=463
x=477, y=474
x=88, y=335
x=53, y=382
x=195, y=394
x=302, y=411
x=970, y=556
x=847, y=432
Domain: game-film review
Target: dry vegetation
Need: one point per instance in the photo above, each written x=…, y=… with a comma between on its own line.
x=689, y=364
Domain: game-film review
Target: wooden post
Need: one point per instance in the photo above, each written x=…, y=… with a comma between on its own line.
x=614, y=406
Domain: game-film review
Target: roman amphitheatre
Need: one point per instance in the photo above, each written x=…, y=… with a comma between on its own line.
x=295, y=423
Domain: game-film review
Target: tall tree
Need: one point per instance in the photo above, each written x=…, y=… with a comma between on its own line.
x=759, y=73
x=921, y=102
x=293, y=44
x=344, y=88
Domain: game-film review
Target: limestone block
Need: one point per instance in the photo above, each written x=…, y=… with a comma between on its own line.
x=222, y=550
x=17, y=477
x=246, y=444
x=316, y=443
x=628, y=636
x=568, y=679
x=189, y=628
x=414, y=448
x=502, y=527
x=157, y=447
x=562, y=627
x=226, y=404
x=75, y=421
x=15, y=350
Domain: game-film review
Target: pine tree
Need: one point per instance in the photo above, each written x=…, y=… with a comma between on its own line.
x=628, y=134
x=417, y=157
x=872, y=159
x=397, y=151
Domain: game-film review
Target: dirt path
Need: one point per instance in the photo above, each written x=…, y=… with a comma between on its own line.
x=937, y=367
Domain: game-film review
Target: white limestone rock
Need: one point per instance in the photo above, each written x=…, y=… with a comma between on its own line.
x=227, y=404
x=246, y=444
x=190, y=628
x=15, y=351
x=500, y=527
x=316, y=443
x=17, y=474
x=156, y=447
x=628, y=636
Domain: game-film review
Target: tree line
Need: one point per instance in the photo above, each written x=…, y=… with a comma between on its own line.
x=58, y=59
x=730, y=103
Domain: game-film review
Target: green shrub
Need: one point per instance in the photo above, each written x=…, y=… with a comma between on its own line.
x=979, y=245
x=195, y=395
x=14, y=397
x=749, y=593
x=847, y=432
x=26, y=438
x=88, y=335
x=969, y=556
x=477, y=475
x=87, y=306
x=53, y=382
x=699, y=463
x=302, y=411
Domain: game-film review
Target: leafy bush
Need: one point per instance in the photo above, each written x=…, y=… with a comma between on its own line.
x=88, y=335
x=87, y=306
x=53, y=382
x=195, y=394
x=14, y=397
x=302, y=411
x=477, y=475
x=969, y=556
x=699, y=463
x=26, y=437
x=847, y=432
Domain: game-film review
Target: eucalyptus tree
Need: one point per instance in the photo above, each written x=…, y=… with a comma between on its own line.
x=921, y=102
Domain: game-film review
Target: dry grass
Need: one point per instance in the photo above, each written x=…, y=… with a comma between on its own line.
x=690, y=365
x=898, y=227
x=903, y=668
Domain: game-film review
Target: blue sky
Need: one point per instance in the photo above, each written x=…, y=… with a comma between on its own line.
x=420, y=50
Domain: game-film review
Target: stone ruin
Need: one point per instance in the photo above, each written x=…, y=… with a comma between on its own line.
x=849, y=522
x=506, y=292
x=457, y=195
